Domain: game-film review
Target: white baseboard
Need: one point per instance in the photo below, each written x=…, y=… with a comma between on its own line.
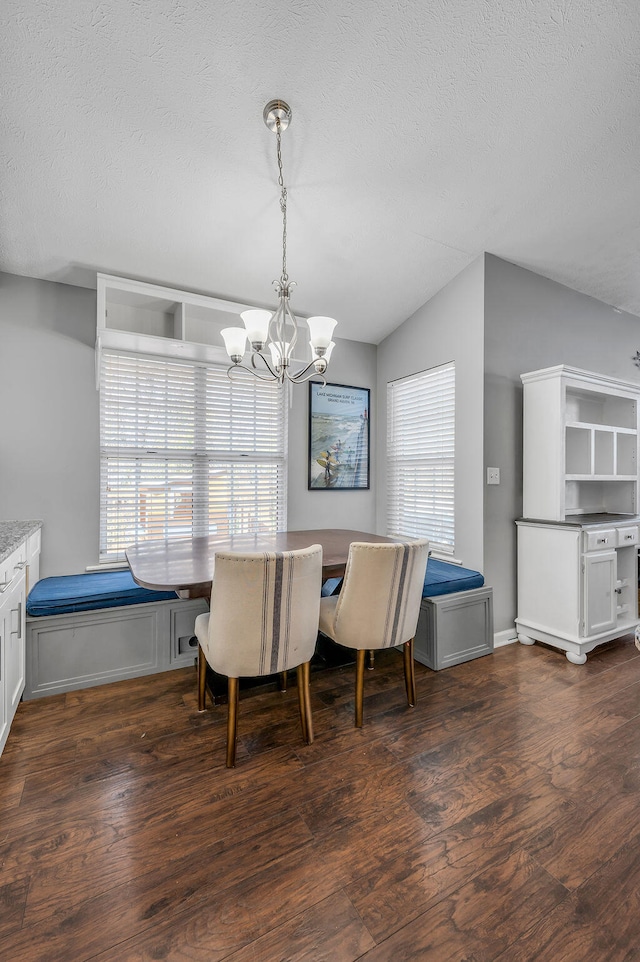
x=502, y=638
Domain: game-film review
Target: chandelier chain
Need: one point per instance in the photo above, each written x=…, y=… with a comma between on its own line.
x=283, y=204
x=278, y=331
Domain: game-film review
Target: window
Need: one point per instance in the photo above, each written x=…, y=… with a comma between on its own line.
x=187, y=452
x=420, y=457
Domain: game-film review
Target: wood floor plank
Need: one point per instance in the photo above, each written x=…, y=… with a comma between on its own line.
x=13, y=899
x=210, y=925
x=11, y=789
x=329, y=931
x=93, y=825
x=586, y=691
x=624, y=742
x=362, y=848
x=444, y=798
x=479, y=920
x=359, y=796
x=584, y=772
x=430, y=729
x=408, y=884
x=567, y=934
x=199, y=868
x=610, y=897
x=577, y=846
x=195, y=883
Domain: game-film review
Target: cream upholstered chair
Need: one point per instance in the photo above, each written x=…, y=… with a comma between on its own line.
x=263, y=620
x=378, y=605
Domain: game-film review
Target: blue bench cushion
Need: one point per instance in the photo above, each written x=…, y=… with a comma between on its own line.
x=109, y=589
x=443, y=578
x=329, y=587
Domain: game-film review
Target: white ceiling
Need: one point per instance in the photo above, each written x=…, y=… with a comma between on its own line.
x=424, y=132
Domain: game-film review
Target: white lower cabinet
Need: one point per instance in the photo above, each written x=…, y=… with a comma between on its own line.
x=15, y=644
x=12, y=636
x=577, y=583
x=4, y=712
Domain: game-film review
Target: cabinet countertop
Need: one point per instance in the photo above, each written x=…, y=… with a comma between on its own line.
x=584, y=520
x=13, y=533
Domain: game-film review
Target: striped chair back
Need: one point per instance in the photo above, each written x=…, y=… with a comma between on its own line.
x=379, y=603
x=264, y=611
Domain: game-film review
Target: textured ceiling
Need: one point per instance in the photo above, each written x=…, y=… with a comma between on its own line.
x=424, y=132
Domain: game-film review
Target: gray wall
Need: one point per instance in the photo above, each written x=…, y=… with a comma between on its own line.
x=531, y=323
x=449, y=327
x=49, y=441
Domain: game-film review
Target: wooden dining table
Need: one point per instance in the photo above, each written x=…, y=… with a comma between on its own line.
x=186, y=565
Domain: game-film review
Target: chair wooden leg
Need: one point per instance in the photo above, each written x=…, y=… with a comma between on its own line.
x=304, y=701
x=360, y=656
x=372, y=659
x=232, y=722
x=303, y=717
x=202, y=678
x=409, y=673
x=307, y=701
x=283, y=680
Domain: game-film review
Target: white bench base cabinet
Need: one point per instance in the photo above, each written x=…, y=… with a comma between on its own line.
x=86, y=648
x=454, y=628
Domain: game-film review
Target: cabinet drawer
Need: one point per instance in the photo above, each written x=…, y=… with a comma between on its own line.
x=12, y=565
x=603, y=538
x=627, y=535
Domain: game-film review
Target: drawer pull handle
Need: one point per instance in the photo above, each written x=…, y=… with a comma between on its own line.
x=20, y=565
x=4, y=586
x=601, y=541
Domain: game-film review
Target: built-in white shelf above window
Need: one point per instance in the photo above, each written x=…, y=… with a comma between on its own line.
x=149, y=319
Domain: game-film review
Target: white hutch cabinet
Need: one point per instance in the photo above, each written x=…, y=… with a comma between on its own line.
x=577, y=541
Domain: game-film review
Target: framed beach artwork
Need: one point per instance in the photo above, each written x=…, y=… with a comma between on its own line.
x=338, y=437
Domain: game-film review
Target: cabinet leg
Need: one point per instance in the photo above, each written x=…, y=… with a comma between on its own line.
x=576, y=659
x=525, y=640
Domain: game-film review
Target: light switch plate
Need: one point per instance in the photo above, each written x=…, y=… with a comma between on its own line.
x=493, y=475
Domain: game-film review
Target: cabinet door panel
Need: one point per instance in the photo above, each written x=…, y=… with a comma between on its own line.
x=4, y=708
x=15, y=645
x=600, y=599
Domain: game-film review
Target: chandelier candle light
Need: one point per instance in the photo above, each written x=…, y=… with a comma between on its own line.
x=279, y=330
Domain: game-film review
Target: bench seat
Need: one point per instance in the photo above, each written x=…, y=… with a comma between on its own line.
x=88, y=592
x=456, y=616
x=444, y=578
x=441, y=578
x=97, y=627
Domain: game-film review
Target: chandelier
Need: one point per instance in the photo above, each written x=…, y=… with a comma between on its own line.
x=278, y=331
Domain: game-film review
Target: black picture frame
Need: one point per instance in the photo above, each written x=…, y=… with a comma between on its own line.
x=339, y=437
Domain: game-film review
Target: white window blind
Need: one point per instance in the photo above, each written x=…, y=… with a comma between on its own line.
x=420, y=457
x=187, y=452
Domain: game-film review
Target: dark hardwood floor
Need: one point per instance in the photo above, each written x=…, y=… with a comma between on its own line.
x=498, y=820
